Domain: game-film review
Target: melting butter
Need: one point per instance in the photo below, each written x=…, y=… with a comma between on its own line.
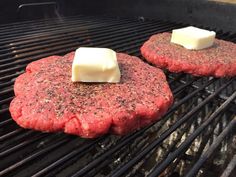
x=193, y=38
x=95, y=65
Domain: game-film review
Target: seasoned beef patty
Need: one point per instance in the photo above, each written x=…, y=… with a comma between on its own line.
x=218, y=60
x=47, y=100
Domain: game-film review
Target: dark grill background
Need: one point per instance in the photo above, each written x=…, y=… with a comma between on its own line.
x=200, y=124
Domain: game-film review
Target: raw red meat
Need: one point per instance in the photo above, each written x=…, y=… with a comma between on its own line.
x=47, y=100
x=218, y=60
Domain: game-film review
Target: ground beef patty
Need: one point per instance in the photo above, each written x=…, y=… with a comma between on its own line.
x=47, y=100
x=218, y=60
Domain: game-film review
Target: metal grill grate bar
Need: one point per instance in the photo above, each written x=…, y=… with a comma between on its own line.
x=49, y=29
x=157, y=171
x=75, y=152
x=216, y=143
x=122, y=170
x=21, y=145
x=8, y=135
x=69, y=47
x=31, y=157
x=231, y=166
x=70, y=43
x=39, y=21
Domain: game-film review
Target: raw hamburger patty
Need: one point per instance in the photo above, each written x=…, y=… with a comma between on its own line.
x=47, y=100
x=218, y=60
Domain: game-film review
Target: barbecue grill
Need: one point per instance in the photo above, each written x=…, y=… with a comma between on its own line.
x=196, y=137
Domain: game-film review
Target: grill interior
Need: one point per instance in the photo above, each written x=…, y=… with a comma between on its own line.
x=197, y=136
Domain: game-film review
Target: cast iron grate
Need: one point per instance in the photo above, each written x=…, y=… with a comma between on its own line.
x=195, y=138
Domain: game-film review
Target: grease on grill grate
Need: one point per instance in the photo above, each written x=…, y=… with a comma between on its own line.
x=195, y=138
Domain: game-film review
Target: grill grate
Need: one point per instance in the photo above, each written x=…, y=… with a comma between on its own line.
x=195, y=138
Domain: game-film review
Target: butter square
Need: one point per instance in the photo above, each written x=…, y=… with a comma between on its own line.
x=95, y=65
x=193, y=38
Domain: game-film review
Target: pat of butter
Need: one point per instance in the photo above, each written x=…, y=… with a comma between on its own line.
x=193, y=38
x=95, y=65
